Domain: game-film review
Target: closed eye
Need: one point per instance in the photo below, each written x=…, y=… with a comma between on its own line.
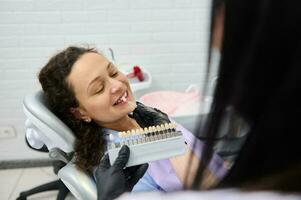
x=115, y=74
x=99, y=90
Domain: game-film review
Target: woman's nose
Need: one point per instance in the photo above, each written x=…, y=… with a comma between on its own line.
x=116, y=86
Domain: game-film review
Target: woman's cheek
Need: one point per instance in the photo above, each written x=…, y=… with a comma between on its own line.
x=98, y=104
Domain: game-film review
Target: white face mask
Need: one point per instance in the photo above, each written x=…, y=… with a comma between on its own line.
x=213, y=69
x=232, y=134
x=215, y=61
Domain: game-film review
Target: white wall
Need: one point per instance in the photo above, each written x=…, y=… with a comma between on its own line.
x=168, y=37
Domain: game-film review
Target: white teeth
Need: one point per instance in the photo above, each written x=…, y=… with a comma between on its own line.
x=121, y=99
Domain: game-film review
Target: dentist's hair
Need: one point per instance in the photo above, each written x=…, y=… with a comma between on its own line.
x=260, y=77
x=60, y=96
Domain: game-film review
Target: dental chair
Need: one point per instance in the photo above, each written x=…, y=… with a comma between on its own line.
x=49, y=130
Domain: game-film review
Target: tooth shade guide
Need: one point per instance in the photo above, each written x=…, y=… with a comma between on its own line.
x=166, y=126
x=162, y=127
x=149, y=133
x=119, y=134
x=149, y=144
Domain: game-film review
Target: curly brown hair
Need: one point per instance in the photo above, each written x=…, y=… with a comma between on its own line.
x=89, y=144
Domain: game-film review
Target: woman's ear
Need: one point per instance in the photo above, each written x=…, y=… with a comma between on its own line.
x=78, y=113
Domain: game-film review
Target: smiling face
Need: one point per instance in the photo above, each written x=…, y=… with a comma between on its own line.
x=103, y=92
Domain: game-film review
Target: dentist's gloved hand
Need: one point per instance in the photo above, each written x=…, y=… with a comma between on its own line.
x=148, y=116
x=114, y=180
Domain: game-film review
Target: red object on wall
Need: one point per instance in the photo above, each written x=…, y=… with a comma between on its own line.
x=137, y=72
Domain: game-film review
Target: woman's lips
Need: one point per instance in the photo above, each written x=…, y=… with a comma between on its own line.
x=122, y=99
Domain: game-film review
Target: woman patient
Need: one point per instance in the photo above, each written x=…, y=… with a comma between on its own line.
x=86, y=91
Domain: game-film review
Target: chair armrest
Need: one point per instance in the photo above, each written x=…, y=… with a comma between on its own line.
x=80, y=183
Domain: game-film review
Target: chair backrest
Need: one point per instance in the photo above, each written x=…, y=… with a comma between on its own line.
x=52, y=132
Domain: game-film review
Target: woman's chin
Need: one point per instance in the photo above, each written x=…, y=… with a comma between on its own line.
x=132, y=105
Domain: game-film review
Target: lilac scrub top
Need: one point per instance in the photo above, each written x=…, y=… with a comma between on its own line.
x=160, y=175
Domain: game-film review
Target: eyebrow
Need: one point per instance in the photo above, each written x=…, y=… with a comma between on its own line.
x=97, y=77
